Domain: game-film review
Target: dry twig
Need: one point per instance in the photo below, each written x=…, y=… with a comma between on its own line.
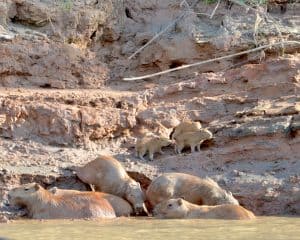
x=215, y=9
x=210, y=60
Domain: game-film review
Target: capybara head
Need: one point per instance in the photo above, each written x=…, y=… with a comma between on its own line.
x=172, y=208
x=136, y=196
x=20, y=196
x=164, y=142
x=206, y=134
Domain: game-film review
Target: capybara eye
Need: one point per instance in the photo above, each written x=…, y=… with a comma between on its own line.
x=26, y=189
x=170, y=205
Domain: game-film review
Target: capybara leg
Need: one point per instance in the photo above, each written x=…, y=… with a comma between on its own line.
x=151, y=155
x=179, y=149
x=141, y=156
x=192, y=148
x=176, y=149
x=199, y=145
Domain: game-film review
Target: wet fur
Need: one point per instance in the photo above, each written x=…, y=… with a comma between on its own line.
x=193, y=189
x=109, y=176
x=179, y=208
x=42, y=204
x=120, y=206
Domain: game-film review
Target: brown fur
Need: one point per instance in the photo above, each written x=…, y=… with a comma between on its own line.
x=161, y=130
x=109, y=176
x=192, y=139
x=193, y=189
x=186, y=126
x=120, y=206
x=42, y=204
x=152, y=145
x=179, y=208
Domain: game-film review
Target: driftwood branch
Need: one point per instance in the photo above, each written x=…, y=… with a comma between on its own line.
x=215, y=9
x=211, y=60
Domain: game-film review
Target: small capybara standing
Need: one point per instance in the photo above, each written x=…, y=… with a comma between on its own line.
x=150, y=144
x=179, y=208
x=193, y=189
x=192, y=139
x=42, y=204
x=186, y=126
x=109, y=176
x=120, y=206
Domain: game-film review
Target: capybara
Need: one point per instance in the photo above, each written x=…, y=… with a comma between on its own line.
x=42, y=204
x=191, y=188
x=191, y=139
x=109, y=176
x=161, y=130
x=179, y=208
x=150, y=144
x=185, y=126
x=121, y=206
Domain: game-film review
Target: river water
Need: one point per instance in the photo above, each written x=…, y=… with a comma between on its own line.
x=266, y=228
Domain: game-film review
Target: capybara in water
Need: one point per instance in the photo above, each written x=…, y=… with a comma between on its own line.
x=186, y=126
x=192, y=139
x=121, y=206
x=191, y=188
x=109, y=176
x=179, y=208
x=42, y=204
x=150, y=144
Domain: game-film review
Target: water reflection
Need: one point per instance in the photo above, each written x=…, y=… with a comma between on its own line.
x=273, y=228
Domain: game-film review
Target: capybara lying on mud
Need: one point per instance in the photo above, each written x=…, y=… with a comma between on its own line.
x=186, y=126
x=42, y=204
x=109, y=176
x=150, y=144
x=121, y=206
x=179, y=208
x=192, y=139
x=191, y=188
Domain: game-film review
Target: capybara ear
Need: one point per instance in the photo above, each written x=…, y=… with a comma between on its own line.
x=37, y=186
x=182, y=197
x=180, y=201
x=230, y=193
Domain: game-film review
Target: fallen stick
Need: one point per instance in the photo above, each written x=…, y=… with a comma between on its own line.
x=209, y=61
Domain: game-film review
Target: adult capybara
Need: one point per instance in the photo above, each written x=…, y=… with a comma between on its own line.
x=109, y=176
x=185, y=126
x=42, y=204
x=191, y=188
x=121, y=206
x=192, y=139
x=179, y=208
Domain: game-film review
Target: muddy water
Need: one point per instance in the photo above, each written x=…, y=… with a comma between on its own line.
x=273, y=228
